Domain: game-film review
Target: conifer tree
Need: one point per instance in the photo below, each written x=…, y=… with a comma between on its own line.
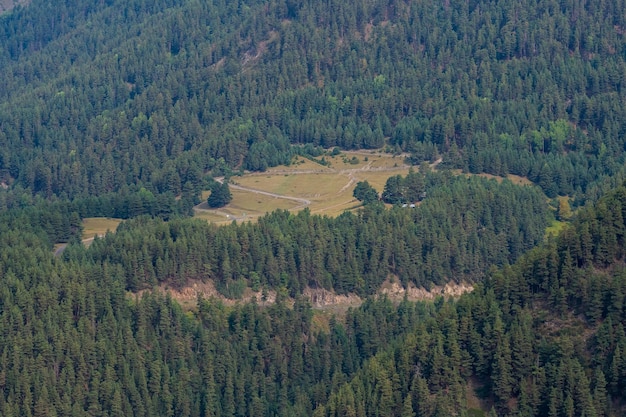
x=220, y=195
x=365, y=192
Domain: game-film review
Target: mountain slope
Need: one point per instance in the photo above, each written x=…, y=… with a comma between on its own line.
x=542, y=337
x=118, y=93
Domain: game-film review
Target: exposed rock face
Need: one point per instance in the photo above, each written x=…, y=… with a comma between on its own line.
x=320, y=298
x=189, y=295
x=395, y=291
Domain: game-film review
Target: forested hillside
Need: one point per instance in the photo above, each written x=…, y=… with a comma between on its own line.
x=544, y=337
x=458, y=232
x=129, y=109
x=97, y=97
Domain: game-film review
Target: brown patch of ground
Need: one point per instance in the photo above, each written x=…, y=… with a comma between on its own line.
x=368, y=31
x=325, y=189
x=98, y=226
x=475, y=405
x=320, y=299
x=188, y=296
x=254, y=54
x=395, y=291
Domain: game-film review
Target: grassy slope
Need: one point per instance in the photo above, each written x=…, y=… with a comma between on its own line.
x=98, y=226
x=328, y=188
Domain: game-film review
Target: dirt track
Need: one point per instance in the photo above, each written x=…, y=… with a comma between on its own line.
x=304, y=202
x=58, y=251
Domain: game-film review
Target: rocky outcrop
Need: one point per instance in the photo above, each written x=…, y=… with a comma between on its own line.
x=320, y=298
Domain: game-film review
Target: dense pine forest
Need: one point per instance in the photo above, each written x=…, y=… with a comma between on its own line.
x=131, y=109
x=101, y=97
x=463, y=228
x=543, y=337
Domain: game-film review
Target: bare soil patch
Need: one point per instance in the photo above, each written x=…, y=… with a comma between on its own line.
x=396, y=292
x=187, y=296
x=476, y=406
x=322, y=300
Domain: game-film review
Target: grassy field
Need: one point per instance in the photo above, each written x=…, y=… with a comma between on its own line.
x=515, y=179
x=245, y=206
x=327, y=189
x=98, y=226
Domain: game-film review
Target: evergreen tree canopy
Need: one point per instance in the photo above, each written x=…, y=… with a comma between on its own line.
x=128, y=108
x=117, y=93
x=542, y=335
x=365, y=192
x=220, y=195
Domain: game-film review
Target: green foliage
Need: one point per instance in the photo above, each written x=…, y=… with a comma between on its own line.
x=365, y=192
x=547, y=332
x=460, y=230
x=409, y=189
x=120, y=108
x=121, y=93
x=220, y=195
x=528, y=356
x=564, y=211
x=276, y=150
x=392, y=193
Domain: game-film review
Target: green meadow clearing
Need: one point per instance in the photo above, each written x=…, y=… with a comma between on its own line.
x=324, y=189
x=93, y=226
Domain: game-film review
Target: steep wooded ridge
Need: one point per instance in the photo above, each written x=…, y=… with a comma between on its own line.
x=544, y=337
x=108, y=95
x=458, y=232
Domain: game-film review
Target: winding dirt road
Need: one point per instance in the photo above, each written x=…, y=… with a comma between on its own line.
x=58, y=251
x=303, y=202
